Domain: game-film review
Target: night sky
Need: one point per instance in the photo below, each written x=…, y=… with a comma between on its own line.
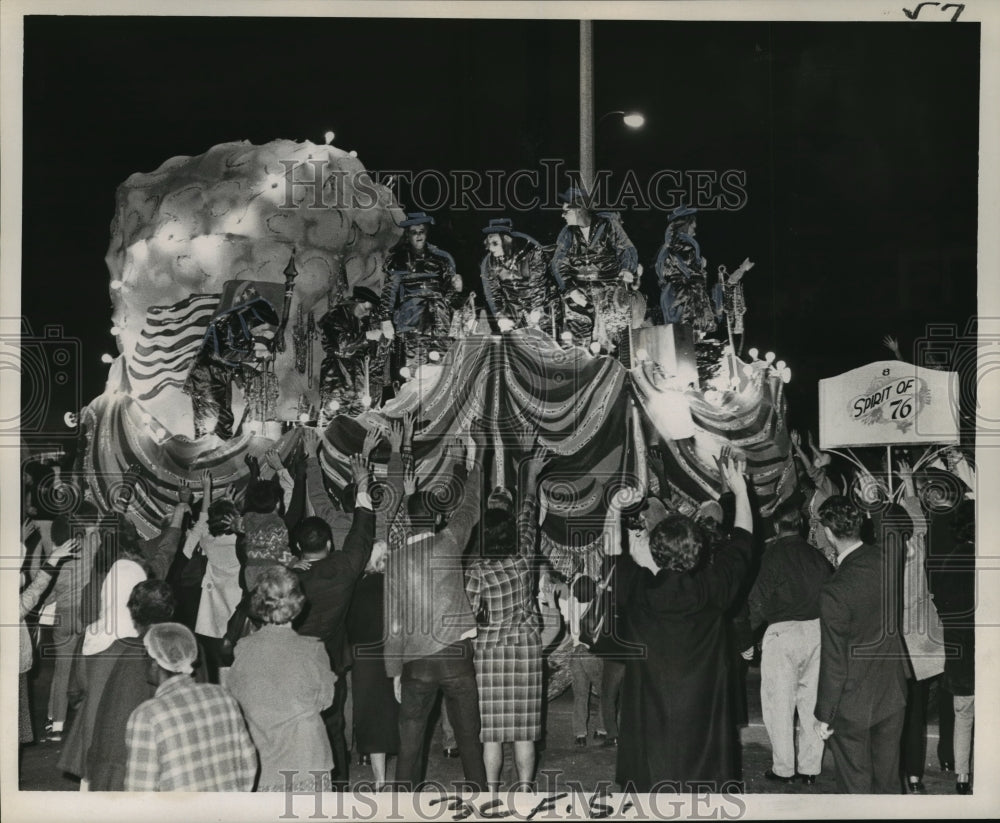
x=859, y=142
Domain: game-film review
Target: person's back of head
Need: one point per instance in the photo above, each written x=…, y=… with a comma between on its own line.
x=787, y=518
x=499, y=533
x=841, y=517
x=263, y=497
x=312, y=537
x=277, y=597
x=426, y=512
x=62, y=529
x=221, y=514
x=676, y=543
x=173, y=647
x=151, y=602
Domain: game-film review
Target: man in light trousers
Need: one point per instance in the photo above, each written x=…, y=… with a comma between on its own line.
x=786, y=597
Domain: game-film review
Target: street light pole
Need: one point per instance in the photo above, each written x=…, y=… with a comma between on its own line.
x=586, y=104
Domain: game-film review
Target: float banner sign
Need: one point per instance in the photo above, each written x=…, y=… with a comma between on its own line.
x=889, y=403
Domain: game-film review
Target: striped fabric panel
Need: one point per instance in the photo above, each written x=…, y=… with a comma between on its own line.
x=169, y=341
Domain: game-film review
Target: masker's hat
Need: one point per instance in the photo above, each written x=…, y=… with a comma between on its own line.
x=574, y=196
x=682, y=211
x=499, y=225
x=417, y=218
x=362, y=294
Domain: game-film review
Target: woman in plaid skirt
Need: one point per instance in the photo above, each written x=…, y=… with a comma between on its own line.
x=501, y=587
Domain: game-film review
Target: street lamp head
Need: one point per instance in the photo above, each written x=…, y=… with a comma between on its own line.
x=634, y=120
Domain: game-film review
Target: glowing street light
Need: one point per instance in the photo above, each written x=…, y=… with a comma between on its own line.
x=634, y=120
x=328, y=137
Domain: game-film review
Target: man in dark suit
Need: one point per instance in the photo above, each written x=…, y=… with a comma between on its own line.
x=328, y=578
x=862, y=675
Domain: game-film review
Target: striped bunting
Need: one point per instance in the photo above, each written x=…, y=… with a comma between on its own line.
x=168, y=343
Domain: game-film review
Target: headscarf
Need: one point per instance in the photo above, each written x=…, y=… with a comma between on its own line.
x=114, y=621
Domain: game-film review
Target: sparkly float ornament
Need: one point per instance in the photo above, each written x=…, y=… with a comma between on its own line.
x=734, y=305
x=304, y=335
x=290, y=274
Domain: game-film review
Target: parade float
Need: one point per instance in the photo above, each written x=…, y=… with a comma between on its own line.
x=283, y=221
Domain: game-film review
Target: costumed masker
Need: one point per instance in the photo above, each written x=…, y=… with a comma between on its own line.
x=420, y=294
x=681, y=272
x=517, y=283
x=349, y=346
x=596, y=267
x=238, y=345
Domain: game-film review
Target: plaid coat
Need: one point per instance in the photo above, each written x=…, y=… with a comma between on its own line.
x=190, y=737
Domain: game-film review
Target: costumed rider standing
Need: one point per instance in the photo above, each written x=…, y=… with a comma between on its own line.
x=238, y=345
x=349, y=339
x=517, y=284
x=596, y=266
x=420, y=294
x=681, y=272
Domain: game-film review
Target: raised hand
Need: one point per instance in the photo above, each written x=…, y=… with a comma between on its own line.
x=396, y=436
x=733, y=474
x=535, y=462
x=408, y=430
x=206, y=486
x=796, y=438
x=274, y=459
x=410, y=481
x=68, y=549
x=310, y=440
x=372, y=439
x=892, y=344
x=359, y=472
x=184, y=493
x=726, y=455
x=233, y=522
x=820, y=459
x=866, y=487
x=28, y=528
